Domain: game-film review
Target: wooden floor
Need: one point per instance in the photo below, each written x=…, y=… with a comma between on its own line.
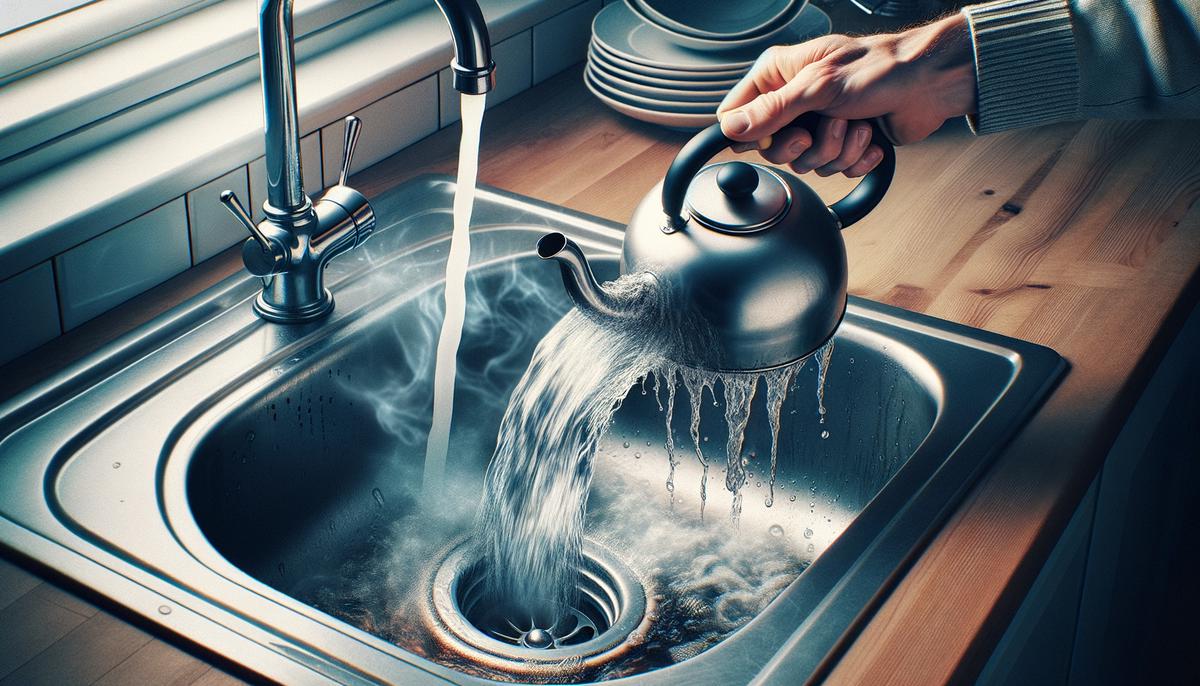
x=53, y=637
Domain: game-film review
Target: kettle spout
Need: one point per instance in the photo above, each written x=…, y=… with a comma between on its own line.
x=577, y=275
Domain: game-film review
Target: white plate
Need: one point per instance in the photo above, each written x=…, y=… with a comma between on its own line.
x=685, y=122
x=603, y=76
x=783, y=29
x=655, y=104
x=717, y=20
x=607, y=66
x=668, y=73
x=625, y=35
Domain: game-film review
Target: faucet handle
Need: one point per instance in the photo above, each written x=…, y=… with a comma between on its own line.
x=353, y=129
x=230, y=199
x=270, y=259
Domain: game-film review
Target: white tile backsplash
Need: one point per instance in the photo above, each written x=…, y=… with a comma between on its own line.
x=212, y=227
x=28, y=310
x=562, y=40
x=310, y=168
x=115, y=266
x=514, y=73
x=388, y=126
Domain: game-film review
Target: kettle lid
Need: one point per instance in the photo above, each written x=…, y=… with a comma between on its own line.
x=738, y=197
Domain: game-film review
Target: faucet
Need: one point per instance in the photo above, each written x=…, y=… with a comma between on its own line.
x=290, y=248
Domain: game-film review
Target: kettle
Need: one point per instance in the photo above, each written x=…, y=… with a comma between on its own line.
x=751, y=251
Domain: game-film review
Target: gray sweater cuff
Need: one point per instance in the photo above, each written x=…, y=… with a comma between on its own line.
x=1026, y=68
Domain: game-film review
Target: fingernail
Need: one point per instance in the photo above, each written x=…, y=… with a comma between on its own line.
x=862, y=136
x=764, y=143
x=735, y=122
x=873, y=156
x=838, y=129
x=801, y=169
x=797, y=147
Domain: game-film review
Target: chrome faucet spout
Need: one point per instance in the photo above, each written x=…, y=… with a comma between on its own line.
x=276, y=41
x=474, y=70
x=298, y=237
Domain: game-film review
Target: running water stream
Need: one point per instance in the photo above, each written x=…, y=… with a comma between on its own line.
x=456, y=298
x=530, y=525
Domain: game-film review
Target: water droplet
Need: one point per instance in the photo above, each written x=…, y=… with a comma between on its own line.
x=810, y=549
x=249, y=436
x=706, y=439
x=637, y=456
x=164, y=609
x=825, y=433
x=116, y=465
x=775, y=530
x=648, y=443
x=769, y=501
x=792, y=498
x=625, y=444
x=378, y=496
x=808, y=533
x=281, y=569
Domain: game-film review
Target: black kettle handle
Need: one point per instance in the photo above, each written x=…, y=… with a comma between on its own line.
x=706, y=144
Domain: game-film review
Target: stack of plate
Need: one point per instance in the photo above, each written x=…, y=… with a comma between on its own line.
x=640, y=68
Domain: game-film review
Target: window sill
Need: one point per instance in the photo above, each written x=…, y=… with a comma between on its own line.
x=85, y=196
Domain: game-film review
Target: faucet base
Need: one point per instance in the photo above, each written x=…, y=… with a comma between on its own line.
x=294, y=315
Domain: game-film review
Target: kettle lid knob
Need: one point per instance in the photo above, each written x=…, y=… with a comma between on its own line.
x=737, y=180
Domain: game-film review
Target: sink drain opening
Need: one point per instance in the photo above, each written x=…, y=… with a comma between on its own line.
x=606, y=620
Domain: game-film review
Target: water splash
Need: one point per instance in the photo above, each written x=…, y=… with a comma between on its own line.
x=530, y=526
x=823, y=355
x=778, y=383
x=456, y=298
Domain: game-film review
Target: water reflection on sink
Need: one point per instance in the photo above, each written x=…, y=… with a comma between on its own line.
x=269, y=474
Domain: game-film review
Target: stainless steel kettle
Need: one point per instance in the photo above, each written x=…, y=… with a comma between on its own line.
x=752, y=250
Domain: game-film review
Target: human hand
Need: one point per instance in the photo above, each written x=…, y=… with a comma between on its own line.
x=911, y=82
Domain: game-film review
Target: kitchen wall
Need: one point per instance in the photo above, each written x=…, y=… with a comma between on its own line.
x=61, y=292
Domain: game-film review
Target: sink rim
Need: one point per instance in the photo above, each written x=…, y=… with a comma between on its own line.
x=1035, y=369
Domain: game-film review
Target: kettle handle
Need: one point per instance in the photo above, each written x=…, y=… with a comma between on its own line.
x=704, y=145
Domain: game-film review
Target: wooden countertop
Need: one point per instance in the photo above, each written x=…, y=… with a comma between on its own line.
x=1081, y=237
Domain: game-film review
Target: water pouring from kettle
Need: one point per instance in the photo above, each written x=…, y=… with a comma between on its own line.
x=749, y=250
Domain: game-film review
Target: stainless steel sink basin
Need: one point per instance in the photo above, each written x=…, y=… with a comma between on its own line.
x=253, y=487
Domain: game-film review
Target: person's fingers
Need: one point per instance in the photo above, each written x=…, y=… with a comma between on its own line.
x=870, y=159
x=858, y=137
x=827, y=146
x=788, y=144
x=812, y=89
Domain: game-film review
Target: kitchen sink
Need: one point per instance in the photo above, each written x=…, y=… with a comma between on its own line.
x=256, y=488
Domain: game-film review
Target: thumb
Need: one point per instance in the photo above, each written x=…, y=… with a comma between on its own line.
x=773, y=110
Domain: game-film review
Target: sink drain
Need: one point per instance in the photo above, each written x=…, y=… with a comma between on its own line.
x=606, y=620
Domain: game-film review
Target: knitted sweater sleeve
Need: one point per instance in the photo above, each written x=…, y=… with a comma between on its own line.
x=1042, y=61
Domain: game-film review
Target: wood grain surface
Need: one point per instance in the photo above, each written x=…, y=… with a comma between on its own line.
x=1082, y=237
